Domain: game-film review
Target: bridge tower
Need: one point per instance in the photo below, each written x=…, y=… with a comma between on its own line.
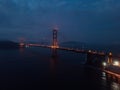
x=22, y=42
x=55, y=38
x=54, y=42
x=110, y=59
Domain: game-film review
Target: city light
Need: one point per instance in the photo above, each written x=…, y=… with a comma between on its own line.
x=116, y=63
x=104, y=64
x=89, y=51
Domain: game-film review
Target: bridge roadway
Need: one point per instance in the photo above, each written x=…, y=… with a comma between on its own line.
x=70, y=49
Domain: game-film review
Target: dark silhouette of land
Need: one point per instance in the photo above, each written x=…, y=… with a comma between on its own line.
x=6, y=44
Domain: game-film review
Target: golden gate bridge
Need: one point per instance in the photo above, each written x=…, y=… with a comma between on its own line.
x=91, y=55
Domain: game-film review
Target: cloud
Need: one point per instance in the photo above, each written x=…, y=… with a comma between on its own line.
x=78, y=17
x=106, y=5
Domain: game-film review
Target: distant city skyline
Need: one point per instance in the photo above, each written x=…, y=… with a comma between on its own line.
x=92, y=21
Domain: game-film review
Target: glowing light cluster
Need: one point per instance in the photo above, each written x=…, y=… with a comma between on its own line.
x=116, y=63
x=54, y=46
x=104, y=64
x=21, y=44
x=110, y=54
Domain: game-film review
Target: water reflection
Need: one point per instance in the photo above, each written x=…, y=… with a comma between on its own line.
x=21, y=50
x=54, y=53
x=112, y=82
x=69, y=70
x=53, y=62
x=115, y=86
x=113, y=78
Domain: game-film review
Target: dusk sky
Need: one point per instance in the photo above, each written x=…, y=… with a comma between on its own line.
x=93, y=21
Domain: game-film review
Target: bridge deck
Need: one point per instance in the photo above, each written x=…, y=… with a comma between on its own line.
x=70, y=49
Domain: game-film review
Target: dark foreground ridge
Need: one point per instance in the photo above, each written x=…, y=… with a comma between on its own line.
x=8, y=45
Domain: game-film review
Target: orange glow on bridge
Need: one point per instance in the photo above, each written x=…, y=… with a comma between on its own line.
x=110, y=54
x=54, y=47
x=21, y=44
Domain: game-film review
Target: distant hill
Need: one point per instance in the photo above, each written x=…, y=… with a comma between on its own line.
x=5, y=44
